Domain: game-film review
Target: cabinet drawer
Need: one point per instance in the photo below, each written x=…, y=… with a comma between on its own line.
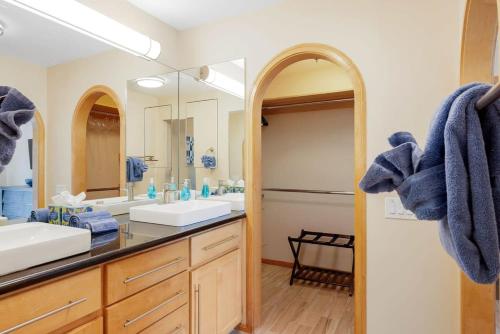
x=210, y=245
x=136, y=273
x=176, y=322
x=145, y=308
x=53, y=305
x=92, y=327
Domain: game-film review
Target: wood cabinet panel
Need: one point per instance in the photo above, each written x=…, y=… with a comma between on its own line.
x=212, y=244
x=145, y=308
x=128, y=276
x=176, y=322
x=53, y=305
x=93, y=327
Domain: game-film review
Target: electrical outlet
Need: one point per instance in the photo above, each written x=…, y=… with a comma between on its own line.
x=394, y=209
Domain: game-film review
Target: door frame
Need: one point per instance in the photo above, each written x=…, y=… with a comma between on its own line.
x=39, y=138
x=253, y=176
x=477, y=301
x=79, y=136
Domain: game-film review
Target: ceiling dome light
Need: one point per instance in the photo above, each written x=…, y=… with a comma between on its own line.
x=150, y=82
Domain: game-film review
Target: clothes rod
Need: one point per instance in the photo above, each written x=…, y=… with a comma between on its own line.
x=490, y=97
x=306, y=104
x=305, y=191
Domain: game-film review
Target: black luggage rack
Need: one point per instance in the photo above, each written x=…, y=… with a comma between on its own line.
x=317, y=274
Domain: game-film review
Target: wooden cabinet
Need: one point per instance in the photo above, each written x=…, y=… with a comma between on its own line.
x=92, y=327
x=53, y=305
x=128, y=276
x=176, y=322
x=216, y=295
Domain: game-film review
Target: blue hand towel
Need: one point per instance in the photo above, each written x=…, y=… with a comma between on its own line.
x=209, y=161
x=135, y=169
x=103, y=239
x=189, y=150
x=39, y=215
x=100, y=225
x=15, y=110
x=455, y=179
x=81, y=218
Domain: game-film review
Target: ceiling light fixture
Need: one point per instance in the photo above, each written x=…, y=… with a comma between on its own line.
x=150, y=82
x=2, y=29
x=222, y=82
x=81, y=18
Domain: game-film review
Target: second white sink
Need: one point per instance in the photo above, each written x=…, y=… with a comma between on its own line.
x=180, y=213
x=237, y=200
x=118, y=205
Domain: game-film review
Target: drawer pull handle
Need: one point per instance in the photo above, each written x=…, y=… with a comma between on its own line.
x=218, y=243
x=178, y=329
x=166, y=265
x=45, y=315
x=197, y=307
x=139, y=317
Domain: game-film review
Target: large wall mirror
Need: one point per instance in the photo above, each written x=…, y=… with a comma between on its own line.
x=98, y=107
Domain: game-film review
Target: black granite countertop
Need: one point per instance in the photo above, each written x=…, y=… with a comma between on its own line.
x=132, y=237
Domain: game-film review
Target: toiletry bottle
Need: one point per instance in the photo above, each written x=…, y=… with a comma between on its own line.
x=205, y=189
x=151, y=189
x=186, y=191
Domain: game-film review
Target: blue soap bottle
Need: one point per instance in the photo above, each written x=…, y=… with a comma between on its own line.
x=151, y=189
x=186, y=191
x=205, y=189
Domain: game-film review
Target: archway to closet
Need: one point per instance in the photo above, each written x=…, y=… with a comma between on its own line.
x=254, y=175
x=99, y=114
x=479, y=40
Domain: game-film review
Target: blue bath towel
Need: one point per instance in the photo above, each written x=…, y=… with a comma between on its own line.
x=103, y=239
x=99, y=225
x=209, y=161
x=450, y=180
x=39, y=215
x=84, y=217
x=15, y=110
x=135, y=169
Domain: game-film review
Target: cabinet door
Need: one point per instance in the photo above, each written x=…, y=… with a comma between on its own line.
x=216, y=295
x=204, y=300
x=229, y=305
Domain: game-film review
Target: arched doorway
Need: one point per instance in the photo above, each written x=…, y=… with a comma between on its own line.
x=79, y=136
x=479, y=39
x=254, y=174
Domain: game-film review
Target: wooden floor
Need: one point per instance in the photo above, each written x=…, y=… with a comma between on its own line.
x=304, y=308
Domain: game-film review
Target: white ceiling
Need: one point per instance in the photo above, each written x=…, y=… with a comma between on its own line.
x=187, y=14
x=37, y=40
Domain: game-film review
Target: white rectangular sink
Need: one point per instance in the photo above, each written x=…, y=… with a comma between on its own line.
x=180, y=213
x=118, y=205
x=237, y=200
x=29, y=244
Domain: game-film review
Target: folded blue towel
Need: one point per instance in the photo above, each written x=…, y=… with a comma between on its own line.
x=135, y=169
x=81, y=218
x=209, y=161
x=99, y=225
x=39, y=215
x=102, y=239
x=15, y=110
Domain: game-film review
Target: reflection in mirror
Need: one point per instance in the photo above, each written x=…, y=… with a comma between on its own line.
x=211, y=118
x=153, y=134
x=82, y=132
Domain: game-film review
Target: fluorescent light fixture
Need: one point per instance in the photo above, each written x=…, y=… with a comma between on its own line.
x=150, y=82
x=81, y=18
x=222, y=82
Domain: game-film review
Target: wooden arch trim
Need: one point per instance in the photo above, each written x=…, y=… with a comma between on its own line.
x=39, y=134
x=79, y=136
x=477, y=302
x=254, y=174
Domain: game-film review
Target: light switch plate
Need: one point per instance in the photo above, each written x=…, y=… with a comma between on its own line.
x=394, y=209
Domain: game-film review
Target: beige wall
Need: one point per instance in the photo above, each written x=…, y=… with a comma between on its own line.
x=408, y=53
x=308, y=150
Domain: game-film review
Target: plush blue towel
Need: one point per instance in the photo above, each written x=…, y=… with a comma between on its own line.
x=84, y=217
x=209, y=161
x=39, y=215
x=135, y=169
x=15, y=110
x=103, y=239
x=189, y=150
x=450, y=180
x=99, y=225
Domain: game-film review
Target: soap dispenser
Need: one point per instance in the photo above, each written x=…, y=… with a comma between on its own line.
x=151, y=189
x=205, y=189
x=186, y=190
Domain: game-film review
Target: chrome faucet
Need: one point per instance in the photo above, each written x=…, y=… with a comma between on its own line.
x=221, y=188
x=169, y=195
x=130, y=191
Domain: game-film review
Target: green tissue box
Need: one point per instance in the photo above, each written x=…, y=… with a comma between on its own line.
x=59, y=214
